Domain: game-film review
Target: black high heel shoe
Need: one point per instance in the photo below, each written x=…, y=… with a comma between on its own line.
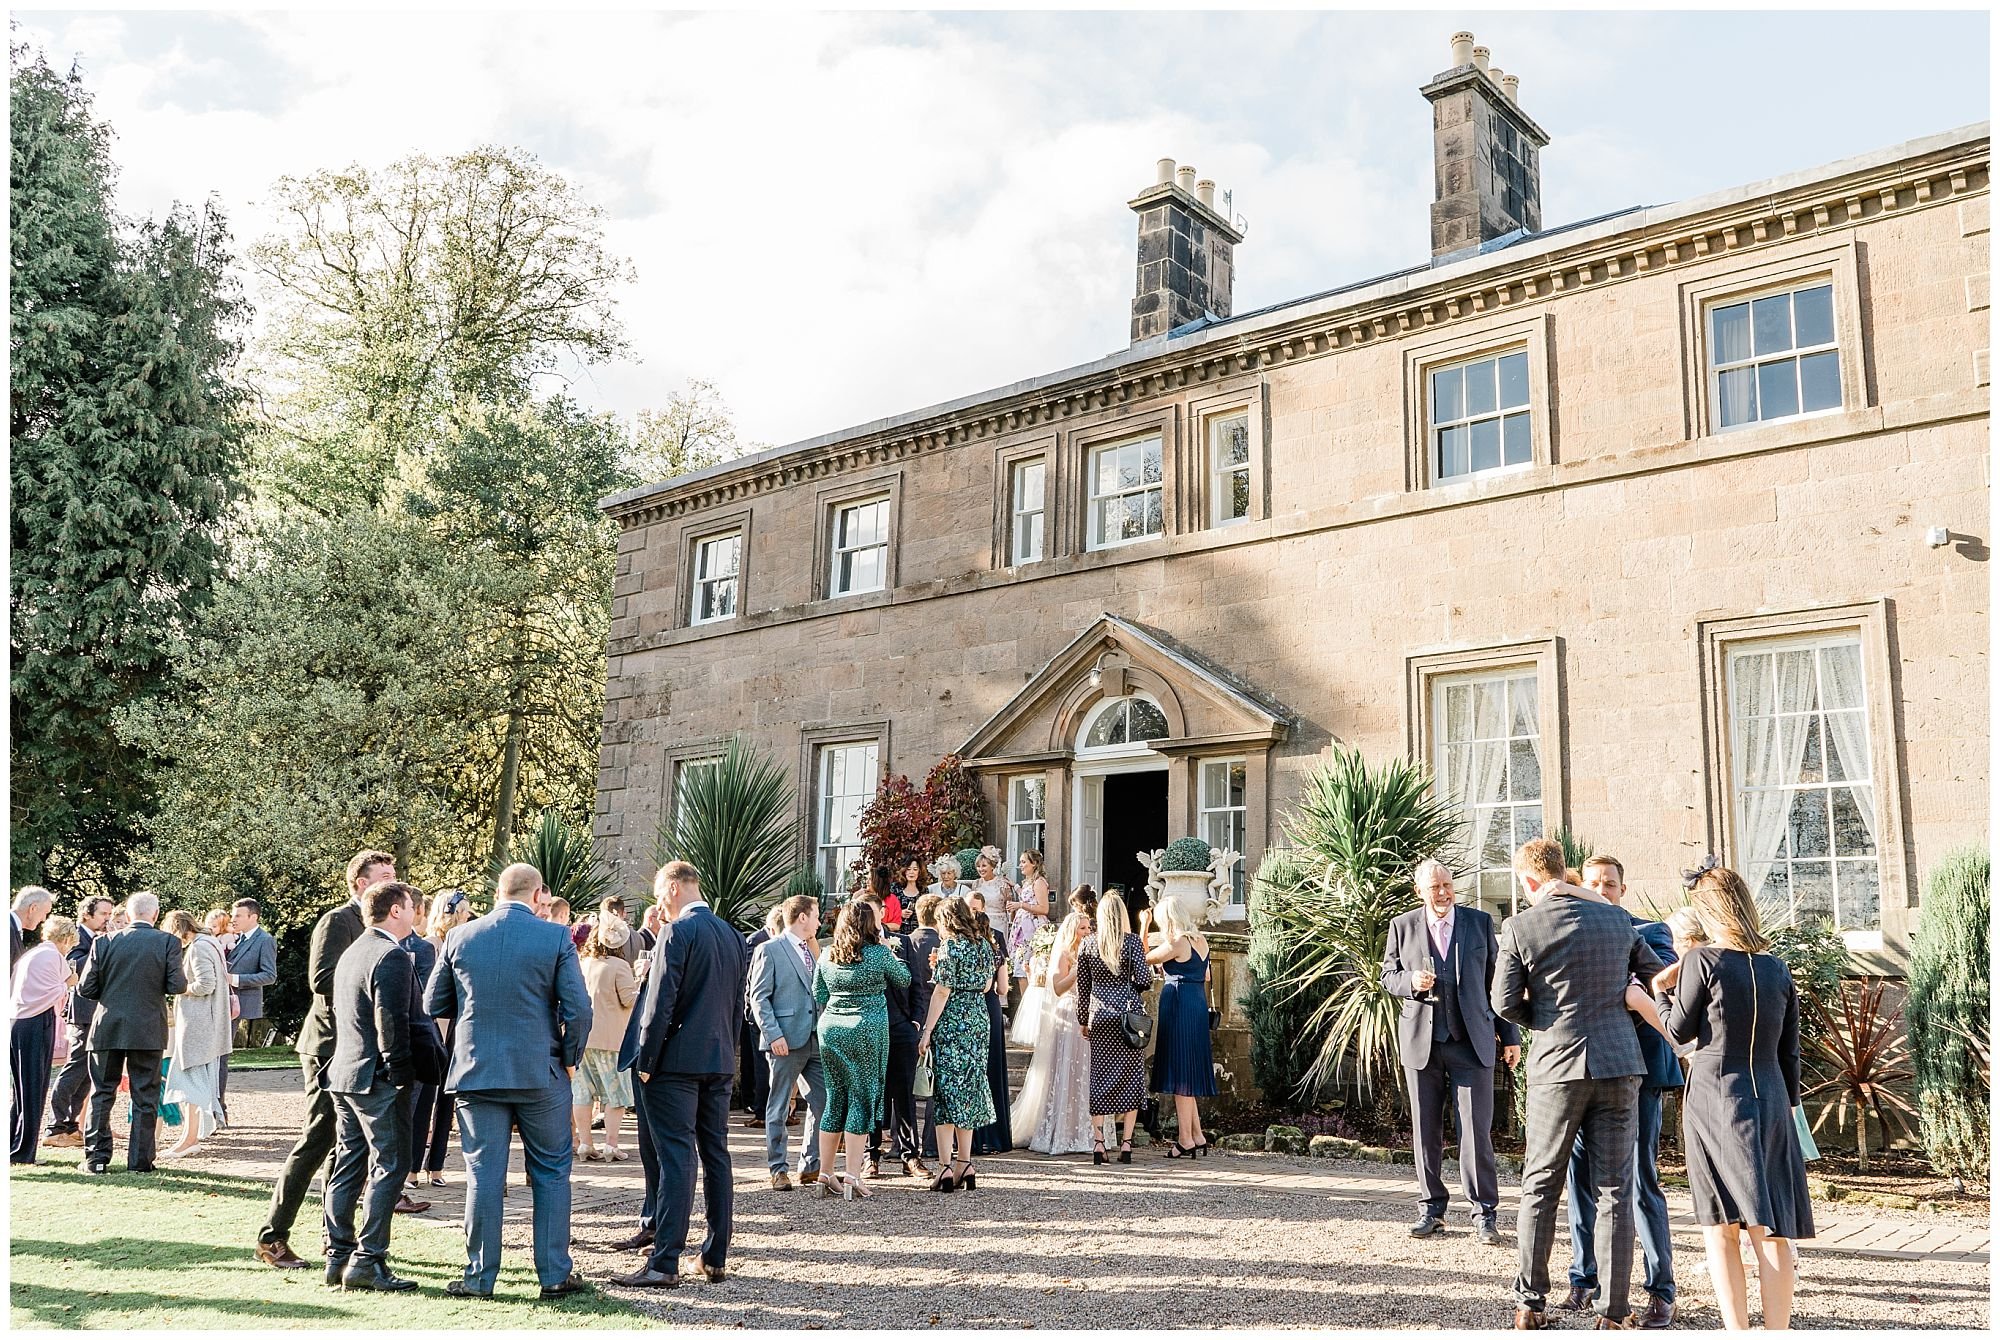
x=1124, y=1151
x=945, y=1182
x=968, y=1180
x=1097, y=1154
x=1177, y=1150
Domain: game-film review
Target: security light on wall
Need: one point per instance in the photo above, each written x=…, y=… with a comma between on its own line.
x=1937, y=537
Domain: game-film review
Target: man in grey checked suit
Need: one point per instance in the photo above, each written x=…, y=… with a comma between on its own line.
x=781, y=998
x=1564, y=966
x=511, y=980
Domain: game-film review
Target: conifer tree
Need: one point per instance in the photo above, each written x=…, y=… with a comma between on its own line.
x=1950, y=986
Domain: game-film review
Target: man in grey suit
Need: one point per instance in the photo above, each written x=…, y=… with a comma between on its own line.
x=1564, y=966
x=253, y=965
x=512, y=982
x=686, y=1058
x=368, y=1077
x=781, y=998
x=130, y=975
x=1439, y=960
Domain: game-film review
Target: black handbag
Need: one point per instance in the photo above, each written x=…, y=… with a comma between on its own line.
x=1136, y=1025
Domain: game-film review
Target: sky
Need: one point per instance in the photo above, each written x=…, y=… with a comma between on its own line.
x=840, y=217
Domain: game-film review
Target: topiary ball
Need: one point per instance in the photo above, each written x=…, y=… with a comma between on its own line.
x=1186, y=854
x=968, y=863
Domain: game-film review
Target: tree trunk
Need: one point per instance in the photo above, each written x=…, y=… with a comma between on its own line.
x=1861, y=1140
x=510, y=776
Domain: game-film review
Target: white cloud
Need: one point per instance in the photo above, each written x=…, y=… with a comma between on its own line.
x=839, y=217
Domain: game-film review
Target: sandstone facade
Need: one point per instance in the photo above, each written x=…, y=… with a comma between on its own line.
x=1620, y=568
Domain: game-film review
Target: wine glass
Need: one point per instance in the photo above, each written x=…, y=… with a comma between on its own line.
x=1429, y=968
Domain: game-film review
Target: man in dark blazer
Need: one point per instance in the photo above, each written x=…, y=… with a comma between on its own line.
x=753, y=1075
x=72, y=1082
x=332, y=934
x=687, y=1062
x=130, y=975
x=1439, y=960
x=32, y=906
x=253, y=965
x=1563, y=969
x=511, y=980
x=369, y=1077
x=428, y=1057
x=1605, y=877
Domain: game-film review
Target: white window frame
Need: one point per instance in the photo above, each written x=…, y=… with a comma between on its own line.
x=838, y=551
x=1794, y=355
x=1239, y=836
x=1018, y=551
x=683, y=769
x=704, y=581
x=834, y=851
x=1129, y=747
x=1094, y=534
x=1221, y=494
x=1436, y=427
x=1443, y=743
x=1739, y=651
x=1027, y=795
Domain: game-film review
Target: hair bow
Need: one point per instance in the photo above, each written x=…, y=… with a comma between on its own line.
x=1690, y=878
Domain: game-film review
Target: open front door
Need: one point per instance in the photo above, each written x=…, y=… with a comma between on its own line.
x=1089, y=856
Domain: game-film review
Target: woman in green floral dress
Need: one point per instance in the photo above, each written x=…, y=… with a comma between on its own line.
x=850, y=987
x=956, y=1036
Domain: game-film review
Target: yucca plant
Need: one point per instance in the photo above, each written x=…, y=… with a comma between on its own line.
x=1864, y=1058
x=806, y=880
x=568, y=860
x=735, y=823
x=1576, y=850
x=1355, y=836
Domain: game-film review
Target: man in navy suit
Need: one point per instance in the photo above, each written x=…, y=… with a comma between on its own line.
x=687, y=1034
x=512, y=982
x=72, y=1082
x=1439, y=959
x=1605, y=876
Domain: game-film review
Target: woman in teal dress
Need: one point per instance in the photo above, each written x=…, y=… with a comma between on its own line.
x=955, y=1036
x=850, y=987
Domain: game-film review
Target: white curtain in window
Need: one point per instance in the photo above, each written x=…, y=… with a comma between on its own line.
x=1482, y=788
x=1769, y=750
x=1848, y=730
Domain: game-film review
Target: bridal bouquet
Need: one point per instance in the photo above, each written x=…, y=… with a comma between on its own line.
x=1040, y=944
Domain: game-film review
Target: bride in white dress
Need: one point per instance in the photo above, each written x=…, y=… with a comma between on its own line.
x=1054, y=1102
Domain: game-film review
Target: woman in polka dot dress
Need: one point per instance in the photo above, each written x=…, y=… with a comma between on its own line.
x=1111, y=971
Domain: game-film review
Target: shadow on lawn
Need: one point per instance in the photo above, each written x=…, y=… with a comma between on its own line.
x=70, y=1308
x=128, y=1253
x=167, y=1178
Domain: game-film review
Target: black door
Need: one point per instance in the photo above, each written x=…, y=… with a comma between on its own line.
x=1135, y=820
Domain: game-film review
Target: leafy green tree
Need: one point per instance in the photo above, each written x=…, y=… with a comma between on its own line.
x=125, y=442
x=691, y=432
x=1947, y=1009
x=1278, y=1016
x=408, y=294
x=1356, y=837
x=1817, y=955
x=322, y=705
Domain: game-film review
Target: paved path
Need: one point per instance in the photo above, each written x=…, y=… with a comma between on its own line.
x=1231, y=1240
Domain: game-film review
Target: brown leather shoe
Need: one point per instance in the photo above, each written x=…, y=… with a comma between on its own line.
x=1612, y=1324
x=1578, y=1300
x=1527, y=1319
x=808, y=1178
x=63, y=1140
x=781, y=1181
x=279, y=1254
x=647, y=1278
x=1658, y=1316
x=407, y=1206
x=640, y=1241
x=714, y=1274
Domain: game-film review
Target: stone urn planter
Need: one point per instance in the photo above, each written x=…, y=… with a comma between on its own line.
x=1192, y=873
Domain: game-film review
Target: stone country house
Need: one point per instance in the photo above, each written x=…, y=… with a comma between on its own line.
x=1665, y=526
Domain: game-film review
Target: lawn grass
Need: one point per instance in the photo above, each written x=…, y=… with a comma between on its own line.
x=172, y=1250
x=264, y=1058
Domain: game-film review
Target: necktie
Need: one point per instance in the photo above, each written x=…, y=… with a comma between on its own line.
x=1438, y=938
x=805, y=954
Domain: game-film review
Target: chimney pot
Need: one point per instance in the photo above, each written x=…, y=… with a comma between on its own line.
x=1488, y=158
x=1186, y=254
x=1185, y=179
x=1511, y=84
x=1204, y=191
x=1481, y=56
x=1461, y=49
x=1166, y=172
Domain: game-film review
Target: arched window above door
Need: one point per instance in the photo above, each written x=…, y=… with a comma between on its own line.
x=1133, y=719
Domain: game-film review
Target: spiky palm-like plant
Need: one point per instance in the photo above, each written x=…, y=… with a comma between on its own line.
x=1865, y=1059
x=1950, y=989
x=735, y=823
x=1576, y=850
x=1354, y=839
x=568, y=860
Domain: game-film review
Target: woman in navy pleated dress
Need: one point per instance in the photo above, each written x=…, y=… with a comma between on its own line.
x=1183, y=1061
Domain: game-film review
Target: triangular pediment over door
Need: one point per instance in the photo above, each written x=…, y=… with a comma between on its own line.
x=1205, y=707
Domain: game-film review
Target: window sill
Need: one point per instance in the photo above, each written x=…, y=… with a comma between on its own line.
x=1107, y=546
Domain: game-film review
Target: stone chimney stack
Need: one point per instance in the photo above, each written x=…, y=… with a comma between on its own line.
x=1187, y=251
x=1489, y=180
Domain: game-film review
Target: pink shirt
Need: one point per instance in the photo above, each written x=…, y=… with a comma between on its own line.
x=41, y=980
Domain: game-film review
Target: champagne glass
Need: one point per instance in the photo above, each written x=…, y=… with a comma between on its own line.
x=1429, y=968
